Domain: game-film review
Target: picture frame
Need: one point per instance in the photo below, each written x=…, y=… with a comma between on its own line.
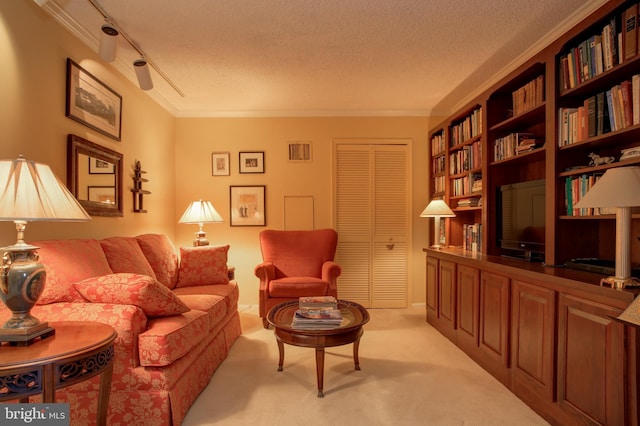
x=90, y=102
x=102, y=194
x=98, y=166
x=251, y=162
x=247, y=205
x=220, y=164
x=300, y=152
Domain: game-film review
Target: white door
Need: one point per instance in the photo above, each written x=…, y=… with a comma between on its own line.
x=372, y=219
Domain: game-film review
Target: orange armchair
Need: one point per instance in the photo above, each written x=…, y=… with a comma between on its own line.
x=296, y=263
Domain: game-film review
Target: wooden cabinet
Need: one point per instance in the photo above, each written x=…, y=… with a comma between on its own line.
x=548, y=334
x=468, y=307
x=432, y=289
x=591, y=361
x=533, y=326
x=494, y=322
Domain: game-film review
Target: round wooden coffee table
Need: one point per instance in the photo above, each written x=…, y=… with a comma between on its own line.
x=78, y=351
x=350, y=330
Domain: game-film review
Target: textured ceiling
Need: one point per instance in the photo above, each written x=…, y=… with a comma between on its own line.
x=323, y=57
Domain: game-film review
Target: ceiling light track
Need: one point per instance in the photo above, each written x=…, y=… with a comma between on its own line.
x=142, y=71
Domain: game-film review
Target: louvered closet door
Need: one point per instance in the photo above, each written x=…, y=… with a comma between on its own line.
x=372, y=223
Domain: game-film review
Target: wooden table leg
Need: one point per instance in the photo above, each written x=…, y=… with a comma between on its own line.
x=105, y=392
x=320, y=371
x=356, y=360
x=281, y=352
x=48, y=383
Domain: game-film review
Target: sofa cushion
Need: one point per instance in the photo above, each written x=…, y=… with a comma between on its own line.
x=203, y=266
x=213, y=305
x=125, y=255
x=298, y=286
x=142, y=291
x=229, y=292
x=161, y=256
x=67, y=262
x=169, y=338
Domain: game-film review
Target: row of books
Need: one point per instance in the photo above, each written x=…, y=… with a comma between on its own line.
x=439, y=164
x=514, y=144
x=437, y=144
x=575, y=188
x=472, y=237
x=467, y=158
x=614, y=109
x=615, y=44
x=317, y=312
x=470, y=202
x=468, y=128
x=528, y=96
x=439, y=183
x=467, y=184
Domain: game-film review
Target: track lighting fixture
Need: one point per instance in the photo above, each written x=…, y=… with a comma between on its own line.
x=108, y=43
x=144, y=76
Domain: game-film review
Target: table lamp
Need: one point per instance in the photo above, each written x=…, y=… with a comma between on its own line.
x=200, y=212
x=29, y=192
x=619, y=188
x=437, y=209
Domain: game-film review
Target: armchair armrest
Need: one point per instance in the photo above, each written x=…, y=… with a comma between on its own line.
x=330, y=272
x=266, y=271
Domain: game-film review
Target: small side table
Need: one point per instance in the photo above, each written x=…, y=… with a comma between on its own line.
x=78, y=351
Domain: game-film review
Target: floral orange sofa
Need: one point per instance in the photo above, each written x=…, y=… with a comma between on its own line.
x=176, y=319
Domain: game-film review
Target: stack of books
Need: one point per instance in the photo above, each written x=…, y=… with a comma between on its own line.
x=317, y=312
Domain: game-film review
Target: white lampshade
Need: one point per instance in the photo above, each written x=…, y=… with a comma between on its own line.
x=437, y=208
x=30, y=191
x=142, y=72
x=618, y=187
x=200, y=212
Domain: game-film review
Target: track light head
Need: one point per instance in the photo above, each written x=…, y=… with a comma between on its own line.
x=142, y=72
x=108, y=43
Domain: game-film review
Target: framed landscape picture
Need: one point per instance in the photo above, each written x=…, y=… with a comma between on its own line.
x=252, y=162
x=91, y=102
x=247, y=205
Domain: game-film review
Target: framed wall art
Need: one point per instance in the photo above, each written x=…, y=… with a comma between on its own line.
x=247, y=205
x=91, y=102
x=98, y=166
x=220, y=164
x=252, y=162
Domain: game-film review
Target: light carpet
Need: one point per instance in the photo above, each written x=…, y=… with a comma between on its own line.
x=410, y=375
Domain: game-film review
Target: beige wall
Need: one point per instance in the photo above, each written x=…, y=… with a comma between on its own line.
x=197, y=138
x=177, y=152
x=34, y=49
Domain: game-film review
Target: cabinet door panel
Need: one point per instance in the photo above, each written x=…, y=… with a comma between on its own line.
x=591, y=361
x=467, y=306
x=532, y=331
x=447, y=271
x=494, y=317
x=432, y=288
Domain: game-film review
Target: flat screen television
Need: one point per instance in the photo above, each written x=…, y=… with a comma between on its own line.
x=520, y=221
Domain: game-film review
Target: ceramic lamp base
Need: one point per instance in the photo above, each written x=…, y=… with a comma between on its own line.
x=26, y=336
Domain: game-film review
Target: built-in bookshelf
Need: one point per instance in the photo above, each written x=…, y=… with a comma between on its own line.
x=566, y=115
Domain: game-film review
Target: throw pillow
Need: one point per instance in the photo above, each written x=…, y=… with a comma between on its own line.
x=67, y=262
x=125, y=255
x=161, y=256
x=142, y=291
x=203, y=266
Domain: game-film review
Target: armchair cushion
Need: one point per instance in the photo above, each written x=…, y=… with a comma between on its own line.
x=142, y=291
x=297, y=286
x=203, y=266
